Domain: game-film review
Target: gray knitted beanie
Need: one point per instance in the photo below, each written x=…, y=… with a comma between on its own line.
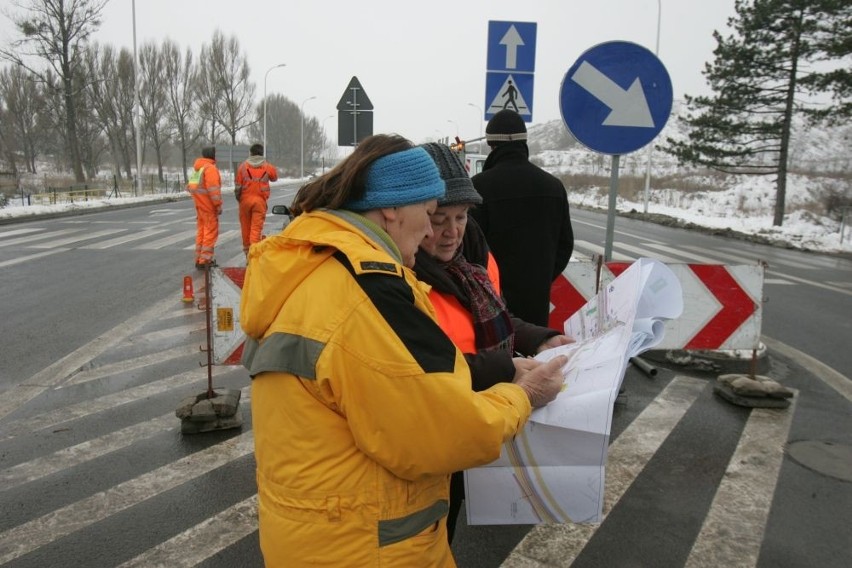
x=459, y=187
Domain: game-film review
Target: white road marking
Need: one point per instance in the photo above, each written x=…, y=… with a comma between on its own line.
x=48, y=528
x=224, y=237
x=599, y=250
x=687, y=255
x=833, y=378
x=56, y=373
x=135, y=236
x=29, y=239
x=90, y=449
x=85, y=451
x=13, y=232
x=627, y=457
x=29, y=257
x=129, y=364
x=197, y=544
x=87, y=236
x=744, y=496
x=187, y=380
x=170, y=240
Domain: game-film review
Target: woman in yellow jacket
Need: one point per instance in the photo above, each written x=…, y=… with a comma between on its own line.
x=465, y=280
x=361, y=406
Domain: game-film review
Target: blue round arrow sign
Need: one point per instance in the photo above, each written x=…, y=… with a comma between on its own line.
x=616, y=97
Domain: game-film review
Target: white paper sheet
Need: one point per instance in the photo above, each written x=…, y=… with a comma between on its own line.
x=554, y=470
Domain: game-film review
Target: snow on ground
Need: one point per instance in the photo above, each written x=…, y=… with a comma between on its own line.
x=745, y=206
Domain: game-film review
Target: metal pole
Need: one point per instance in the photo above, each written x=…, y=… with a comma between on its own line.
x=137, y=104
x=302, y=113
x=354, y=104
x=480, y=116
x=323, y=140
x=610, y=216
x=651, y=145
x=454, y=124
x=264, y=102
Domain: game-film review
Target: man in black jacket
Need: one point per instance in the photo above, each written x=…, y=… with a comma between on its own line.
x=525, y=219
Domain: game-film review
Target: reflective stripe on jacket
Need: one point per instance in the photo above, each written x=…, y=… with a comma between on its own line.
x=253, y=177
x=361, y=406
x=207, y=190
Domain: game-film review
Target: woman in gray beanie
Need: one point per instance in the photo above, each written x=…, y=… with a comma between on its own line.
x=465, y=281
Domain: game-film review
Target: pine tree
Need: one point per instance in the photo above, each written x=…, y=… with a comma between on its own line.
x=784, y=57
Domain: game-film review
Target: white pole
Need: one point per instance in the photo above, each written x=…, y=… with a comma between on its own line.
x=302, y=113
x=264, y=103
x=480, y=117
x=651, y=145
x=454, y=124
x=138, y=109
x=323, y=139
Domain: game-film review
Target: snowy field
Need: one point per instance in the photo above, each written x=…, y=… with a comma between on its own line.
x=745, y=207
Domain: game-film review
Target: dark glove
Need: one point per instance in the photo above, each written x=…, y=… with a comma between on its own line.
x=237, y=192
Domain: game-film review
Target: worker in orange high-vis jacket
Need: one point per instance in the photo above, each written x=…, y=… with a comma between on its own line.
x=205, y=186
x=252, y=193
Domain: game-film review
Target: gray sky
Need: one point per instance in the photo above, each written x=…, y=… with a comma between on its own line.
x=420, y=63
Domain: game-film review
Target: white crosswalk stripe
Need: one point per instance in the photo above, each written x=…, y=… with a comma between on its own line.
x=53, y=429
x=236, y=520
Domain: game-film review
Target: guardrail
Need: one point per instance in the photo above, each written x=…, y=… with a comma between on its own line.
x=81, y=193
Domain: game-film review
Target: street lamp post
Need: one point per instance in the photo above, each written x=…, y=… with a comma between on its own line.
x=479, y=117
x=302, y=113
x=264, y=102
x=137, y=104
x=454, y=124
x=651, y=145
x=323, y=140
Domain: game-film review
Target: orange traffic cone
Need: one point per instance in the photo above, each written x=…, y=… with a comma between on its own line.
x=188, y=293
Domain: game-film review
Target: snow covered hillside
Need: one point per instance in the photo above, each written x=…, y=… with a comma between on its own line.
x=819, y=185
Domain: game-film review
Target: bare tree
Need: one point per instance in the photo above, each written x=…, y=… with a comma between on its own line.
x=56, y=31
x=179, y=79
x=153, y=100
x=225, y=72
x=111, y=92
x=23, y=101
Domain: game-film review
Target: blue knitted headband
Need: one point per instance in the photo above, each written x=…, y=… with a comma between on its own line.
x=398, y=179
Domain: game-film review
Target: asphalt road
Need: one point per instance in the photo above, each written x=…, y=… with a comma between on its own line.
x=98, y=351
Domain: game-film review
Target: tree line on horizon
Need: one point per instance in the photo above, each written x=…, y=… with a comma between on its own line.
x=782, y=59
x=65, y=97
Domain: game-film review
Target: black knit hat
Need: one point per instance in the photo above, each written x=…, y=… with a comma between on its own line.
x=505, y=126
x=209, y=152
x=459, y=187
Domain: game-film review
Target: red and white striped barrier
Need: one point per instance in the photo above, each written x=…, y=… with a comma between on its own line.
x=722, y=304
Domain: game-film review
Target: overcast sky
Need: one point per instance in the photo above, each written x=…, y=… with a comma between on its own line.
x=422, y=63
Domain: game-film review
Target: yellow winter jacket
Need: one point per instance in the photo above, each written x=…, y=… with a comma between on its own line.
x=361, y=406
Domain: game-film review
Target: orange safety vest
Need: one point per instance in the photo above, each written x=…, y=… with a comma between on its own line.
x=205, y=186
x=455, y=319
x=255, y=179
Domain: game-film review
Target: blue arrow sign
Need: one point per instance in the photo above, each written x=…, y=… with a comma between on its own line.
x=616, y=97
x=511, y=46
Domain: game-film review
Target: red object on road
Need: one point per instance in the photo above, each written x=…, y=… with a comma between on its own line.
x=188, y=292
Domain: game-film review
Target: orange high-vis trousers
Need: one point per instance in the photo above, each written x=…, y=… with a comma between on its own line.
x=252, y=217
x=207, y=232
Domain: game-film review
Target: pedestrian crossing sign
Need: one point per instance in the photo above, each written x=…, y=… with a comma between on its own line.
x=512, y=91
